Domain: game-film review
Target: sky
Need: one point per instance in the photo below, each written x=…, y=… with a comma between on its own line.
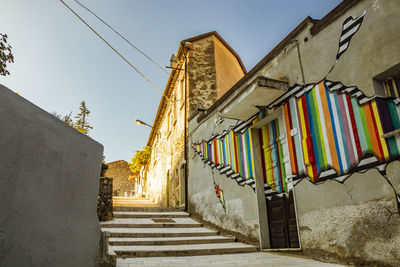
x=59, y=62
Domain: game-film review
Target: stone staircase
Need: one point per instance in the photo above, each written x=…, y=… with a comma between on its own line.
x=158, y=232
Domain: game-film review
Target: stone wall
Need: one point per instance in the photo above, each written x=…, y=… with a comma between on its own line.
x=165, y=170
x=49, y=176
x=105, y=201
x=119, y=171
x=202, y=75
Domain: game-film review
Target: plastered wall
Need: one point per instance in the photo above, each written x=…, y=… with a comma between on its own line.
x=49, y=176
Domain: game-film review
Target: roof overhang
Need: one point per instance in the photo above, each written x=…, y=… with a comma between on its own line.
x=261, y=92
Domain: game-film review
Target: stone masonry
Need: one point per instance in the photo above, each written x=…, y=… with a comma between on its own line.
x=202, y=75
x=119, y=171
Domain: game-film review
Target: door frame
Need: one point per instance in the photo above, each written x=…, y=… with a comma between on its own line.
x=264, y=234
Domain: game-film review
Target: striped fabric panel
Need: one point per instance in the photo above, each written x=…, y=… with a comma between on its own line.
x=230, y=153
x=325, y=131
x=341, y=129
x=338, y=87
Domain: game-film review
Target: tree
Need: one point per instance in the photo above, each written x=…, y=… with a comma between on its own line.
x=5, y=55
x=82, y=123
x=140, y=159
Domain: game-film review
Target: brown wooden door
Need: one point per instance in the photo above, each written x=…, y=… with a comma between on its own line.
x=282, y=221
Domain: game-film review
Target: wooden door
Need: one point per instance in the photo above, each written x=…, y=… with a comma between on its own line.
x=282, y=221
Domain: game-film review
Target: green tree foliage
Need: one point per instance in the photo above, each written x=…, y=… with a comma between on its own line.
x=140, y=159
x=5, y=55
x=82, y=124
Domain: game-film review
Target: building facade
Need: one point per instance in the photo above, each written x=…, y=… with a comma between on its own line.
x=303, y=151
x=120, y=172
x=204, y=68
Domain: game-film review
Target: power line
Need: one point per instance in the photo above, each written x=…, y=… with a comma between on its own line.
x=126, y=40
x=130, y=64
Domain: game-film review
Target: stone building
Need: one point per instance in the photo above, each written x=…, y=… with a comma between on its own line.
x=303, y=151
x=120, y=172
x=204, y=68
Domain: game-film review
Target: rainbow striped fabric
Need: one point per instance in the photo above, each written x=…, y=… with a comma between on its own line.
x=331, y=129
x=231, y=152
x=325, y=130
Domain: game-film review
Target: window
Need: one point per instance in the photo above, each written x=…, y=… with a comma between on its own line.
x=392, y=86
x=387, y=83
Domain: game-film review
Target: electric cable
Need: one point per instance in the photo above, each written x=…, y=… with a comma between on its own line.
x=120, y=35
x=130, y=64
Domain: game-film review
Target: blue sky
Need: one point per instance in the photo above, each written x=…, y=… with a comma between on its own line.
x=59, y=62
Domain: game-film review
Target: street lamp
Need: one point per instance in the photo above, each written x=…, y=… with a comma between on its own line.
x=139, y=122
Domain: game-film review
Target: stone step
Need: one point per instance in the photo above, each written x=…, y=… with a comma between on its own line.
x=169, y=240
x=142, y=214
x=148, y=209
x=159, y=232
x=151, y=223
x=180, y=250
x=156, y=225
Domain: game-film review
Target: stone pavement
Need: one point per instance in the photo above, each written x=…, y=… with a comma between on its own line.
x=264, y=259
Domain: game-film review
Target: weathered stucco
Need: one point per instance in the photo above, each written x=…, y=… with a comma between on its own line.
x=240, y=215
x=227, y=67
x=356, y=222
x=335, y=219
x=367, y=233
x=49, y=175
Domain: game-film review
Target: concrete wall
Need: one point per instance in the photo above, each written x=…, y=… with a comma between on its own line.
x=240, y=215
x=354, y=222
x=48, y=188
